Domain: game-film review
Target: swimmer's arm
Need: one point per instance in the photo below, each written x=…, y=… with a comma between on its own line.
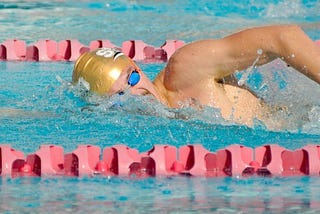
x=289, y=42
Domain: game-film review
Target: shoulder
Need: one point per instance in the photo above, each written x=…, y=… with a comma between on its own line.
x=202, y=53
x=202, y=59
x=191, y=64
x=200, y=47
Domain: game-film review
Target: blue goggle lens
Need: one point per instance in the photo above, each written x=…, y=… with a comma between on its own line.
x=134, y=78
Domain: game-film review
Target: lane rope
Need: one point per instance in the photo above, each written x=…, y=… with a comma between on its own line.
x=71, y=49
x=161, y=160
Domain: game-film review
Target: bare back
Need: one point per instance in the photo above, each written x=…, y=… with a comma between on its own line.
x=196, y=71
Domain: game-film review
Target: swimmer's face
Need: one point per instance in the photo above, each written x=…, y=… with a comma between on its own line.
x=107, y=71
x=127, y=79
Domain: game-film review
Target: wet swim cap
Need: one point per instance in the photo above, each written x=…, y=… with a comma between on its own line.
x=101, y=68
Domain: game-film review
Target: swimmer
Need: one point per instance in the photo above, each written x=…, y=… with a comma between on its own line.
x=202, y=71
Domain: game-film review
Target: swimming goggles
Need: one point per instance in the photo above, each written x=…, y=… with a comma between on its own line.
x=133, y=80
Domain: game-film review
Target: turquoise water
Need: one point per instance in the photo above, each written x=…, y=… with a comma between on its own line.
x=47, y=109
x=160, y=195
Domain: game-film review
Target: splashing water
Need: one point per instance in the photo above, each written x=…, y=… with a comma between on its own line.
x=244, y=78
x=295, y=115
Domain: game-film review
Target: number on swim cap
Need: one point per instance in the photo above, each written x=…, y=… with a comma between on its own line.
x=106, y=52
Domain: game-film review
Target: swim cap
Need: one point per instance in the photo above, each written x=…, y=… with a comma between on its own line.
x=101, y=68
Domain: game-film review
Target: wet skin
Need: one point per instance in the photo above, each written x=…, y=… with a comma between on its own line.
x=202, y=71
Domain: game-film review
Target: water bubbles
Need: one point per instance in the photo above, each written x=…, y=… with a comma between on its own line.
x=313, y=125
x=314, y=114
x=241, y=81
x=286, y=9
x=244, y=78
x=259, y=51
x=84, y=83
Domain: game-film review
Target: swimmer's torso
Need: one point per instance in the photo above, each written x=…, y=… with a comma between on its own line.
x=235, y=103
x=186, y=79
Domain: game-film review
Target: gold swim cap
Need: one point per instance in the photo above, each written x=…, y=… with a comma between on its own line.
x=100, y=68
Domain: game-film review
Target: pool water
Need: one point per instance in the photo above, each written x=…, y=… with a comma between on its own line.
x=160, y=195
x=39, y=106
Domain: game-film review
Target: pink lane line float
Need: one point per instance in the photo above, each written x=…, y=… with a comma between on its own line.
x=162, y=160
x=71, y=49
